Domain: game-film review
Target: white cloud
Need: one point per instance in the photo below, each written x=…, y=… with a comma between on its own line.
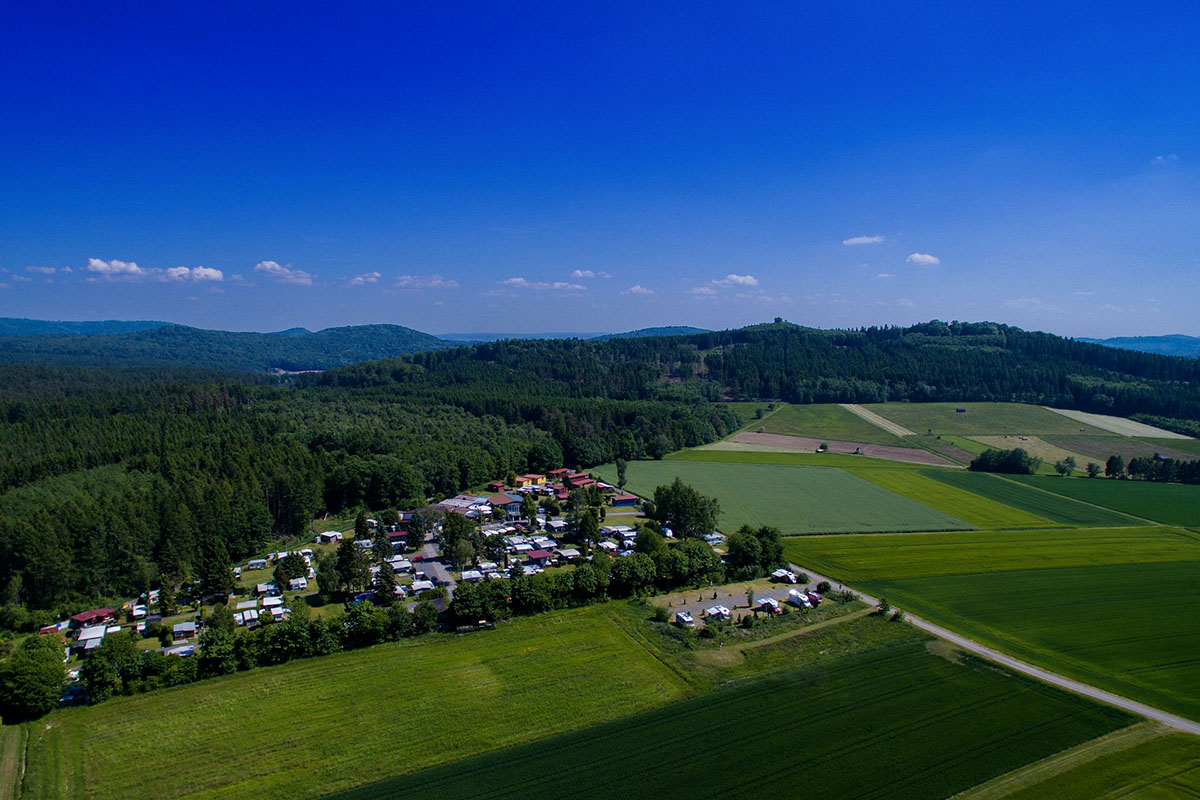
x=1167, y=159
x=42, y=270
x=1029, y=304
x=638, y=289
x=282, y=274
x=424, y=282
x=904, y=301
x=1082, y=293
x=737, y=280
x=923, y=259
x=707, y=291
x=562, y=286
x=194, y=274
x=853, y=240
x=885, y=275
x=588, y=273
x=114, y=267
x=4, y=285
x=365, y=278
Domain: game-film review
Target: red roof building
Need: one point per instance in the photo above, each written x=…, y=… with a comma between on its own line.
x=94, y=617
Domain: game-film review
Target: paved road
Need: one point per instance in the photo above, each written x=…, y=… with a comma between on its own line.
x=1123, y=703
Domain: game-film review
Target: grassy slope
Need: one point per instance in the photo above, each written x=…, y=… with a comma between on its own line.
x=312, y=727
x=794, y=499
x=1172, y=504
x=982, y=418
x=826, y=421
x=1113, y=608
x=1051, y=506
x=894, y=722
x=958, y=503
x=790, y=459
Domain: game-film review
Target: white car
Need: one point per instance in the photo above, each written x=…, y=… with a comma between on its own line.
x=684, y=619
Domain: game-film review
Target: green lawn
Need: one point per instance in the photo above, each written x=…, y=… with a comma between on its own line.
x=1045, y=504
x=982, y=418
x=958, y=503
x=790, y=459
x=747, y=411
x=310, y=728
x=826, y=421
x=1116, y=609
x=794, y=499
x=1166, y=767
x=1169, y=503
x=898, y=722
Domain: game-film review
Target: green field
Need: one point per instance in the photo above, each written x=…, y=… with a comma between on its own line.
x=313, y=727
x=1044, y=504
x=982, y=418
x=790, y=459
x=826, y=421
x=1169, y=503
x=1116, y=609
x=794, y=499
x=1161, y=768
x=958, y=503
x=900, y=722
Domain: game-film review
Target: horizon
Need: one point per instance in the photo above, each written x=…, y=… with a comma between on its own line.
x=604, y=169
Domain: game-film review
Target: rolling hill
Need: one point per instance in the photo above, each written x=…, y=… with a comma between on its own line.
x=1171, y=345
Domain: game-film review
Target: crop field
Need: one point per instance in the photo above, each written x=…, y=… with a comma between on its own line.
x=1116, y=609
x=794, y=499
x=1045, y=504
x=1163, y=767
x=826, y=421
x=1169, y=503
x=989, y=419
x=899, y=722
x=1118, y=425
x=958, y=503
x=313, y=727
x=1099, y=448
x=720, y=452
x=1035, y=446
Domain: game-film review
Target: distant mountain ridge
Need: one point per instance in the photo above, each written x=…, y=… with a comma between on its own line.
x=665, y=330
x=19, y=326
x=167, y=345
x=1175, y=344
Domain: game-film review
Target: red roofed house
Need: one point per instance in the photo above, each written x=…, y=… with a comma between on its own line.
x=534, y=479
x=510, y=504
x=578, y=479
x=97, y=616
x=555, y=474
x=539, y=557
x=496, y=486
x=623, y=500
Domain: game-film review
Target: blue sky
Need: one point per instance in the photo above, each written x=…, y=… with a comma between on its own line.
x=479, y=167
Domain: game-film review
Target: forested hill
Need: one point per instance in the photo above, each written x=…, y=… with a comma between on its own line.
x=180, y=346
x=926, y=362
x=17, y=326
x=1171, y=345
x=666, y=330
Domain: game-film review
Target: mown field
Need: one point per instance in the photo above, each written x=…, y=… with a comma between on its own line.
x=794, y=499
x=899, y=722
x=749, y=456
x=310, y=728
x=826, y=421
x=1169, y=503
x=958, y=503
x=1055, y=507
x=992, y=419
x=1116, y=609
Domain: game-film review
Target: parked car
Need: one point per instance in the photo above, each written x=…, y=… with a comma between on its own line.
x=684, y=619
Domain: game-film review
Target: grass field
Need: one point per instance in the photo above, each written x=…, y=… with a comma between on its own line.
x=958, y=503
x=1045, y=504
x=1169, y=503
x=826, y=421
x=1116, y=609
x=1164, y=767
x=1099, y=448
x=794, y=499
x=313, y=727
x=750, y=456
x=899, y=722
x=747, y=410
x=990, y=419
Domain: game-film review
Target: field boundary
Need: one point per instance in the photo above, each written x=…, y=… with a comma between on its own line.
x=1046, y=676
x=1057, y=764
x=1143, y=520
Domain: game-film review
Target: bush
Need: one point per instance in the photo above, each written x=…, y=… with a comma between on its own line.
x=823, y=587
x=660, y=614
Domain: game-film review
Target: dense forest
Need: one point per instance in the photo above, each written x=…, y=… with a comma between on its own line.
x=112, y=480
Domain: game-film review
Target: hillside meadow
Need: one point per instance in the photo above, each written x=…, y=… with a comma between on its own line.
x=958, y=503
x=1002, y=489
x=1113, y=608
x=1169, y=503
x=826, y=421
x=902, y=720
x=794, y=499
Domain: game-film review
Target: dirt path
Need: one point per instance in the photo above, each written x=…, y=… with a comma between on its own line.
x=1071, y=685
x=876, y=420
x=1038, y=771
